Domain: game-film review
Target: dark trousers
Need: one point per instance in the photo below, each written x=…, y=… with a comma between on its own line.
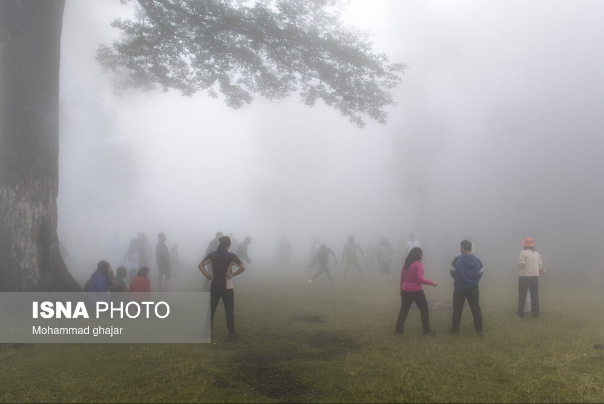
x=228, y=298
x=528, y=283
x=325, y=270
x=420, y=300
x=459, y=298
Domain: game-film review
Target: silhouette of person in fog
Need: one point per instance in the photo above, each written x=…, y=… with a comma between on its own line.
x=242, y=250
x=222, y=280
x=212, y=246
x=285, y=252
x=322, y=258
x=132, y=258
x=350, y=258
x=162, y=257
x=384, y=257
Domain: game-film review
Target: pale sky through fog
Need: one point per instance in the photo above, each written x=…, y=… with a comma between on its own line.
x=496, y=135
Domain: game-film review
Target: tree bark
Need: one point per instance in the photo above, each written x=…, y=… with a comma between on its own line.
x=30, y=39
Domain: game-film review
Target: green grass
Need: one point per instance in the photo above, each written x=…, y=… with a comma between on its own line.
x=318, y=343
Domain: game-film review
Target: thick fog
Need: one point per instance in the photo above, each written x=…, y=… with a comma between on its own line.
x=496, y=136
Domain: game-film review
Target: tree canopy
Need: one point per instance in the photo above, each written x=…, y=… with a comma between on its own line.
x=241, y=48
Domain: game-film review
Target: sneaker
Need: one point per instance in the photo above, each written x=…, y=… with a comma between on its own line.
x=398, y=333
x=451, y=332
x=479, y=335
x=233, y=335
x=430, y=333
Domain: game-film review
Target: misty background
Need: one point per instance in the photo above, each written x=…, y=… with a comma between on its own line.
x=496, y=136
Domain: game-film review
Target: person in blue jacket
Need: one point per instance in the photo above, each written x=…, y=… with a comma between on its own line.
x=466, y=271
x=101, y=280
x=99, y=284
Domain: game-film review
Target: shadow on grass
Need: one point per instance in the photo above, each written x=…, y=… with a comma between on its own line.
x=274, y=371
x=6, y=347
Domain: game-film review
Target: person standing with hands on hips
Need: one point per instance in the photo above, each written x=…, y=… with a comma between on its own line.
x=222, y=280
x=412, y=278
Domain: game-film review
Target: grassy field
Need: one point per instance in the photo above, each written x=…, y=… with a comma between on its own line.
x=321, y=343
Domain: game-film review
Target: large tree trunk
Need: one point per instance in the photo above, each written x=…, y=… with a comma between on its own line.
x=30, y=36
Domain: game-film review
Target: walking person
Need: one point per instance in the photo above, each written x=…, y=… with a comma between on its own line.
x=412, y=279
x=322, y=258
x=162, y=257
x=466, y=271
x=222, y=280
x=213, y=245
x=530, y=265
x=350, y=258
x=412, y=243
x=144, y=251
x=132, y=258
x=384, y=253
x=242, y=250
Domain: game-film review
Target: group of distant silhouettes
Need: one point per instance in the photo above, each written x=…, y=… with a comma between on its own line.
x=378, y=257
x=466, y=271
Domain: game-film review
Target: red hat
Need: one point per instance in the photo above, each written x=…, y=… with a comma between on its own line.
x=528, y=242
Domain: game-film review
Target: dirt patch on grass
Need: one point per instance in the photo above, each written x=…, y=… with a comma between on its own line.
x=309, y=319
x=270, y=373
x=267, y=375
x=330, y=346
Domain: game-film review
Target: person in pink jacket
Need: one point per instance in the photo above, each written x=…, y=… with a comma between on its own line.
x=412, y=278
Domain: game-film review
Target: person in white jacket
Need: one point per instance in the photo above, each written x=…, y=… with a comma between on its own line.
x=531, y=266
